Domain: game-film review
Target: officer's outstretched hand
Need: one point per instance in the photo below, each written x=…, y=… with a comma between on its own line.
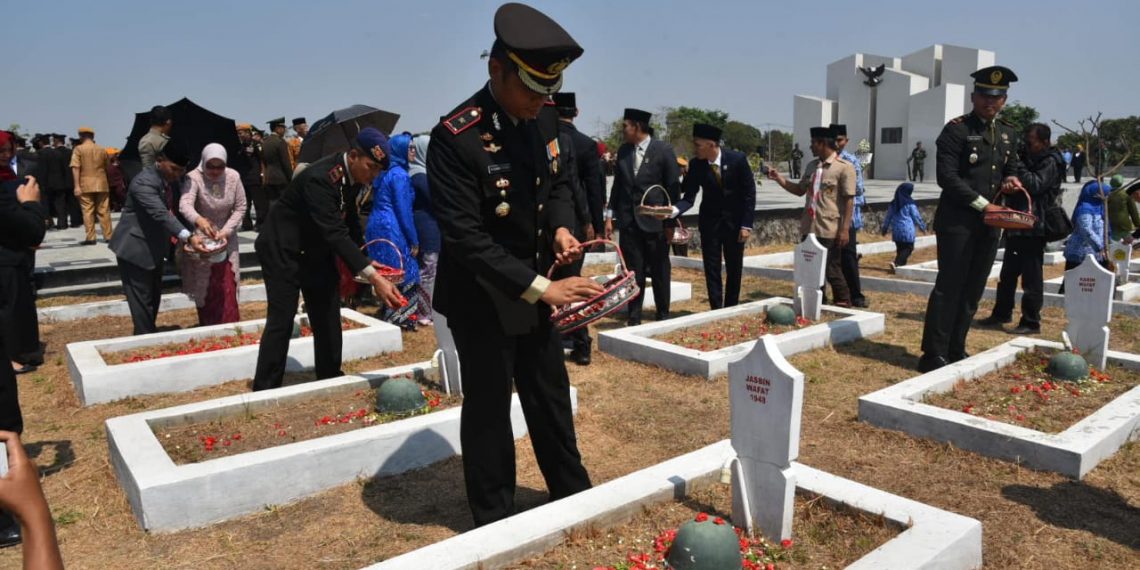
x=566, y=247
x=387, y=292
x=571, y=290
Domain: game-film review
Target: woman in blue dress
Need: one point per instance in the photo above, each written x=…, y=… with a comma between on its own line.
x=391, y=219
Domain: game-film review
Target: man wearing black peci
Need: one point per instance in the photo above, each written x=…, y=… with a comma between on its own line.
x=504, y=208
x=728, y=208
x=643, y=162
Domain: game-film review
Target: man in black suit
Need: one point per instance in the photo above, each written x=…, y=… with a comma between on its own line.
x=643, y=162
x=307, y=230
x=584, y=174
x=505, y=212
x=52, y=168
x=21, y=228
x=147, y=226
x=728, y=206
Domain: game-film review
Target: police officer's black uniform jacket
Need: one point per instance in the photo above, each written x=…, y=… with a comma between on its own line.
x=314, y=219
x=974, y=157
x=488, y=262
x=587, y=168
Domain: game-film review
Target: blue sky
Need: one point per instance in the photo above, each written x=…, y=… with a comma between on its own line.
x=256, y=60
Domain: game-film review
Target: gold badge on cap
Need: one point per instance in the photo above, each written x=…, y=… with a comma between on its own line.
x=995, y=77
x=558, y=66
x=377, y=153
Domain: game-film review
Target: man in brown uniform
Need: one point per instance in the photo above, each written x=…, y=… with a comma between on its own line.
x=828, y=185
x=89, y=170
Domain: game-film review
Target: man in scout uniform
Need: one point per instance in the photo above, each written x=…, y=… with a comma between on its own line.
x=505, y=214
x=298, y=246
x=300, y=131
x=917, y=160
x=584, y=171
x=728, y=208
x=643, y=162
x=977, y=158
x=278, y=169
x=828, y=187
x=89, y=172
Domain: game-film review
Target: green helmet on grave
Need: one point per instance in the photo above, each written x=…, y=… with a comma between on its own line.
x=1067, y=366
x=399, y=396
x=705, y=544
x=781, y=315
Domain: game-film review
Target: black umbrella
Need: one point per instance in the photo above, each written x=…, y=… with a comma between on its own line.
x=194, y=128
x=334, y=132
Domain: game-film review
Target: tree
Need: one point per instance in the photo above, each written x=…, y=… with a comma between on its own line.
x=742, y=137
x=679, y=126
x=1019, y=115
x=614, y=137
x=14, y=128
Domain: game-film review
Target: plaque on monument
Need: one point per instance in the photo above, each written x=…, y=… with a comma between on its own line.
x=766, y=396
x=807, y=274
x=1121, y=255
x=1088, y=307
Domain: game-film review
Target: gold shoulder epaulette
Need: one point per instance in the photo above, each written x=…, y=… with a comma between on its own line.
x=463, y=120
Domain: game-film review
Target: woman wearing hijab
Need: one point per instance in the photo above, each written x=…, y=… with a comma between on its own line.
x=213, y=200
x=391, y=219
x=1088, y=227
x=901, y=220
x=426, y=227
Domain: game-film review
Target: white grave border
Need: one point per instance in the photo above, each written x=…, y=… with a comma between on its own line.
x=97, y=382
x=637, y=343
x=933, y=538
x=1073, y=452
x=928, y=271
x=169, y=497
x=168, y=302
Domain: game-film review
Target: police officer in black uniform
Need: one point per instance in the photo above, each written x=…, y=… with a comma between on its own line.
x=505, y=213
x=307, y=228
x=584, y=173
x=977, y=158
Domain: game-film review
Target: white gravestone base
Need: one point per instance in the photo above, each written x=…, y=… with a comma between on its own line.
x=808, y=275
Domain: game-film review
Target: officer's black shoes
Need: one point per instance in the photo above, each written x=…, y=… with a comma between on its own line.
x=860, y=303
x=993, y=322
x=1025, y=329
x=633, y=322
x=960, y=356
x=580, y=357
x=9, y=531
x=930, y=362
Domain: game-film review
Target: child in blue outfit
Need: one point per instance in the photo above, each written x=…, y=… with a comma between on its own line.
x=1088, y=227
x=902, y=217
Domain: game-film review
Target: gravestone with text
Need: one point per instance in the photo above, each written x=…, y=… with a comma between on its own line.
x=1121, y=255
x=1088, y=307
x=766, y=396
x=807, y=274
x=449, y=372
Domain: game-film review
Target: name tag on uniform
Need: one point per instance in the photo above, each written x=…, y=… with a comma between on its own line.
x=973, y=137
x=498, y=168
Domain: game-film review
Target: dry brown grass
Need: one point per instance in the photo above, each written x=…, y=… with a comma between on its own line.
x=631, y=416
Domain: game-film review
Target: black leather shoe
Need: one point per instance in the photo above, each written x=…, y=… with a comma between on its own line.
x=960, y=356
x=9, y=532
x=633, y=323
x=580, y=357
x=992, y=322
x=25, y=368
x=87, y=242
x=1024, y=329
x=930, y=362
x=860, y=303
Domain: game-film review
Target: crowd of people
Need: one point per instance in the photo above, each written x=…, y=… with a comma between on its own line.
x=472, y=217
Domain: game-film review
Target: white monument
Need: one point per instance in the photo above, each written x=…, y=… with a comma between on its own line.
x=910, y=101
x=1121, y=255
x=767, y=396
x=808, y=270
x=1088, y=307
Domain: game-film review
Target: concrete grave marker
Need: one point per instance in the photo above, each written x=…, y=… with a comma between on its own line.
x=1121, y=255
x=767, y=396
x=449, y=373
x=808, y=272
x=1088, y=307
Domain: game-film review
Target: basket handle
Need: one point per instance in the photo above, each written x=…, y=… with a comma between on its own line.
x=399, y=256
x=621, y=258
x=1028, y=198
x=668, y=202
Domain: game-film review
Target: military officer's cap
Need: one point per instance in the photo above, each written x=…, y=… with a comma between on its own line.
x=637, y=116
x=838, y=130
x=822, y=133
x=278, y=121
x=299, y=121
x=538, y=45
x=704, y=131
x=993, y=80
x=565, y=100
